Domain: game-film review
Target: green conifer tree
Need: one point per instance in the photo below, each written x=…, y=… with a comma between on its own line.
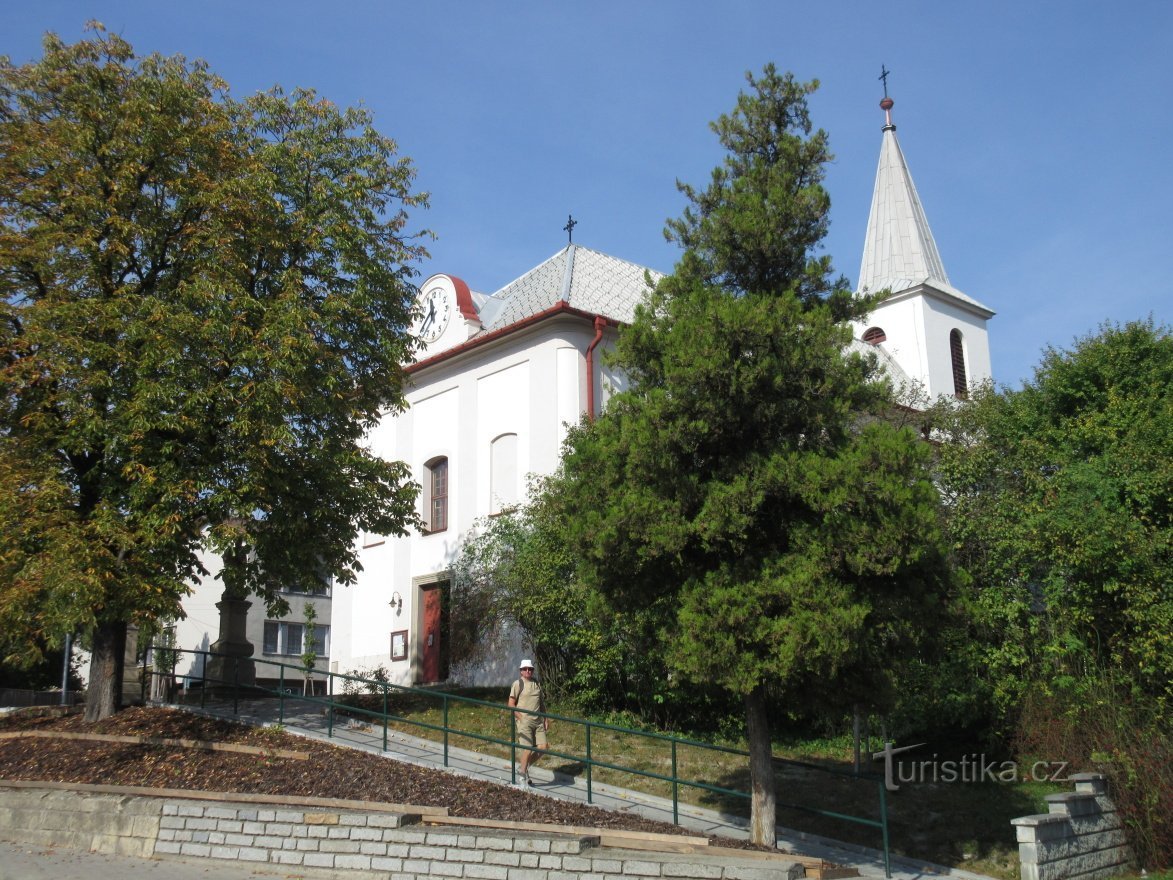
x=740, y=477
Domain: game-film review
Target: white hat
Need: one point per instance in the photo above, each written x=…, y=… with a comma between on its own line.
x=526, y=664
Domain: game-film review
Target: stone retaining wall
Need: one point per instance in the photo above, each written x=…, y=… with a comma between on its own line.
x=1081, y=838
x=379, y=844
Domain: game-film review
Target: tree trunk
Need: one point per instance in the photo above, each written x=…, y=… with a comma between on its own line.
x=104, y=693
x=763, y=800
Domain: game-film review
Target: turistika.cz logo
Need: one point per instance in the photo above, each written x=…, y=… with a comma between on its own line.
x=968, y=768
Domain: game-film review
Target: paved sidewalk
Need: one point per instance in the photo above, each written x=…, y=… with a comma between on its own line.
x=22, y=861
x=306, y=718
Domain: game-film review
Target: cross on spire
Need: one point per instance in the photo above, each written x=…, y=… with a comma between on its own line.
x=569, y=228
x=886, y=104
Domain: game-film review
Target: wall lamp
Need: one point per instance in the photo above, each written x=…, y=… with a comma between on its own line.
x=397, y=603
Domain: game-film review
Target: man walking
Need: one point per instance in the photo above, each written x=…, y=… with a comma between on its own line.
x=526, y=694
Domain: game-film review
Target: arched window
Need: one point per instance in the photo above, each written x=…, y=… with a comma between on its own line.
x=436, y=494
x=874, y=335
x=957, y=356
x=502, y=473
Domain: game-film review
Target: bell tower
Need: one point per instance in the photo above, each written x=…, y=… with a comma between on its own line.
x=935, y=333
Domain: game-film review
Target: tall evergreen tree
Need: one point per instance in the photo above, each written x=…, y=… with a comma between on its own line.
x=739, y=478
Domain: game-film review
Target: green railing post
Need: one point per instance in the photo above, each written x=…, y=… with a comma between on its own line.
x=386, y=723
x=281, y=694
x=590, y=764
x=235, y=685
x=884, y=826
x=512, y=746
x=444, y=699
x=675, y=788
x=204, y=680
x=330, y=722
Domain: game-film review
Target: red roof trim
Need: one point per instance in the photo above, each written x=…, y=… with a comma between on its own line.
x=464, y=299
x=561, y=308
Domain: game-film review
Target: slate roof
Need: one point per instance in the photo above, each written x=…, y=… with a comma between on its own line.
x=584, y=279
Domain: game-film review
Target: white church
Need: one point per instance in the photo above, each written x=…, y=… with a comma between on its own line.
x=500, y=378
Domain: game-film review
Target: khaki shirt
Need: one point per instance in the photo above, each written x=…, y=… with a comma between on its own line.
x=527, y=695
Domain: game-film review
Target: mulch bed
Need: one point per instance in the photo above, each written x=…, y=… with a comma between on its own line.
x=330, y=771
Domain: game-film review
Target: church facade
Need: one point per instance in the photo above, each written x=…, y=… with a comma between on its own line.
x=502, y=376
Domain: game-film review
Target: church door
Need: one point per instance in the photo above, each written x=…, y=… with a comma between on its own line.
x=433, y=633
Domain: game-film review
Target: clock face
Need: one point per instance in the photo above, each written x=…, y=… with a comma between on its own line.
x=437, y=310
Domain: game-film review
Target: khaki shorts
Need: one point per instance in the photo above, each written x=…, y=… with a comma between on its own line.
x=531, y=731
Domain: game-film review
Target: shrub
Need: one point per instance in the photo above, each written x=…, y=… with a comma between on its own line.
x=1104, y=726
x=371, y=680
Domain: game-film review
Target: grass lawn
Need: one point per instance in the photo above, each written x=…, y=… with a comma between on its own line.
x=963, y=823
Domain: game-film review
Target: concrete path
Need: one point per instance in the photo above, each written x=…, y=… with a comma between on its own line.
x=20, y=861
x=307, y=718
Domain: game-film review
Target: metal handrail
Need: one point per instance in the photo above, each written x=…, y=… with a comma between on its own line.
x=375, y=686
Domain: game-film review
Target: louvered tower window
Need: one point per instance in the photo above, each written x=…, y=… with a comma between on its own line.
x=874, y=335
x=957, y=355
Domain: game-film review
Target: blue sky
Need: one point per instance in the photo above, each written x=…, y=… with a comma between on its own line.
x=1039, y=134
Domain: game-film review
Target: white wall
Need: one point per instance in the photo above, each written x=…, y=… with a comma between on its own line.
x=917, y=327
x=532, y=384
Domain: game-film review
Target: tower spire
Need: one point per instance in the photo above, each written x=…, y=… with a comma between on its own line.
x=899, y=249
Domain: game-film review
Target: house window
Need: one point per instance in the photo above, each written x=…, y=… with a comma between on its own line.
x=874, y=335
x=957, y=355
x=286, y=639
x=321, y=586
x=436, y=495
x=503, y=473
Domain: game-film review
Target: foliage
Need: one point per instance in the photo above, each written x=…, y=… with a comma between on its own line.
x=517, y=570
x=1059, y=499
x=365, y=681
x=45, y=674
x=791, y=542
x=1111, y=732
x=165, y=654
x=205, y=306
x=309, y=656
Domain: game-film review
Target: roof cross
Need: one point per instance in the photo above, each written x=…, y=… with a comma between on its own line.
x=884, y=72
x=569, y=228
